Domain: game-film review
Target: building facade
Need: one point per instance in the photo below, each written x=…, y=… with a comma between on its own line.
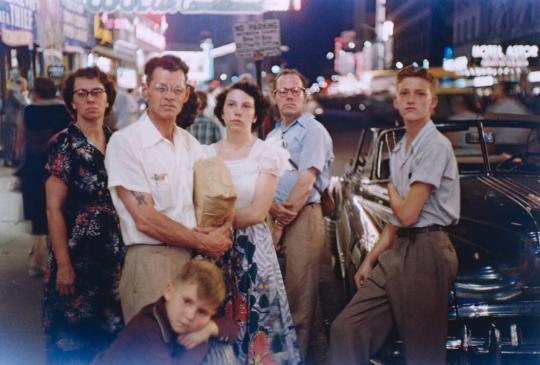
x=422, y=30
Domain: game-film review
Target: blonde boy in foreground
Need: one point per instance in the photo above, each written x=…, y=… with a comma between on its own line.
x=176, y=328
x=405, y=280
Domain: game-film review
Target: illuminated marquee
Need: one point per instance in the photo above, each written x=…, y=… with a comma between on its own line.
x=514, y=56
x=191, y=6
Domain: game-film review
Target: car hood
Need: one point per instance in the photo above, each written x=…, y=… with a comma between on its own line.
x=497, y=238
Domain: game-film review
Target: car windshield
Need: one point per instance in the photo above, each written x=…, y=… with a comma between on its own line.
x=510, y=148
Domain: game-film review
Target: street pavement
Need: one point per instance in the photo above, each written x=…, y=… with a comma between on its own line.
x=21, y=335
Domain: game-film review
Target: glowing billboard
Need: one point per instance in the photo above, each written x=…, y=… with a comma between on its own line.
x=191, y=6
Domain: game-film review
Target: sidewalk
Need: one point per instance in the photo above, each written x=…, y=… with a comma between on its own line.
x=21, y=334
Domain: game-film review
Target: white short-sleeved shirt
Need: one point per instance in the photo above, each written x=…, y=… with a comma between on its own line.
x=263, y=157
x=140, y=159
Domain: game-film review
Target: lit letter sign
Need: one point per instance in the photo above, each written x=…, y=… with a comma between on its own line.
x=514, y=56
x=189, y=6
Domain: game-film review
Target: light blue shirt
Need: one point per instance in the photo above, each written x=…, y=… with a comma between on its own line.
x=310, y=146
x=430, y=160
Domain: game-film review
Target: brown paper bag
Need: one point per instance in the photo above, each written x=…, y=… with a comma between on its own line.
x=213, y=192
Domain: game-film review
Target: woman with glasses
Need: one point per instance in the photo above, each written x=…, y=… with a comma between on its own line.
x=81, y=312
x=256, y=296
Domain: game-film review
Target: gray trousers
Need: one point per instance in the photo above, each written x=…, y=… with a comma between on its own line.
x=408, y=289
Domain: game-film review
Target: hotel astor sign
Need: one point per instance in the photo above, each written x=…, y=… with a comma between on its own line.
x=492, y=55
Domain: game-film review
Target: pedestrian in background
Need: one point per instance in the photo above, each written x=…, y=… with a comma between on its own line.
x=81, y=312
x=126, y=108
x=296, y=208
x=405, y=279
x=256, y=296
x=187, y=116
x=44, y=117
x=150, y=166
x=205, y=130
x=12, y=139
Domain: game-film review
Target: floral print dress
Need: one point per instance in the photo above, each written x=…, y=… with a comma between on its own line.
x=256, y=296
x=80, y=325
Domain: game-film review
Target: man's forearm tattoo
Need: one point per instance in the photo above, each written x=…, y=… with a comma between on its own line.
x=139, y=197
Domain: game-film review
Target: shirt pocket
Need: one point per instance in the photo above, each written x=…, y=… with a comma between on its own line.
x=161, y=189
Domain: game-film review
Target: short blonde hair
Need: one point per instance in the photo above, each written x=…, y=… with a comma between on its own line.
x=424, y=74
x=206, y=276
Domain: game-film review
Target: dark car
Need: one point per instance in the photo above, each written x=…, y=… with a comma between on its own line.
x=495, y=302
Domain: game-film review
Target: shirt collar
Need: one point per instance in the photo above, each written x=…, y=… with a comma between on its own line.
x=303, y=120
x=425, y=132
x=151, y=135
x=167, y=334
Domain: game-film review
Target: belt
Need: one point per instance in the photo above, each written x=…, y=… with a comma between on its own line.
x=412, y=231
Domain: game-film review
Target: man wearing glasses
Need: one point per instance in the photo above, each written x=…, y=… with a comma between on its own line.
x=296, y=205
x=150, y=168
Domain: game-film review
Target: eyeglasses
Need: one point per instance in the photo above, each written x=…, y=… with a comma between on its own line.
x=83, y=93
x=295, y=91
x=163, y=89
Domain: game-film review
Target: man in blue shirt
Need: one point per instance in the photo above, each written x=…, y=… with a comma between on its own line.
x=405, y=280
x=296, y=205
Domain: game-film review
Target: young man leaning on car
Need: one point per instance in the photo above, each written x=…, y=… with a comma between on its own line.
x=405, y=280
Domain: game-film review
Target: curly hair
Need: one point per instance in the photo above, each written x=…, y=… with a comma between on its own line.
x=88, y=73
x=262, y=105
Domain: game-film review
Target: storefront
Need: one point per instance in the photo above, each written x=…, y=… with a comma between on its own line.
x=116, y=47
x=78, y=31
x=17, y=38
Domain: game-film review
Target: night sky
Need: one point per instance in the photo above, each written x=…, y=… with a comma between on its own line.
x=309, y=33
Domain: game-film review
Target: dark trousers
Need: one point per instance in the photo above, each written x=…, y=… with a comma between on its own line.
x=408, y=289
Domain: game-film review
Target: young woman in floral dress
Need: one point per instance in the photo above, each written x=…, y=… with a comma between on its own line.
x=256, y=294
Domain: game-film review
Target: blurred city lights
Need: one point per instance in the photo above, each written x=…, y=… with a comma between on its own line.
x=330, y=56
x=483, y=81
x=399, y=65
x=367, y=44
x=534, y=76
x=223, y=77
x=387, y=30
x=275, y=69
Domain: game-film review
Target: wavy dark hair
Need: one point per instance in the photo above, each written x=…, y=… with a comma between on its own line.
x=167, y=62
x=262, y=105
x=88, y=73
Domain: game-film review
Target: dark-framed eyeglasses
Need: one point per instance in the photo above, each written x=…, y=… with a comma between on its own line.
x=162, y=89
x=83, y=93
x=295, y=91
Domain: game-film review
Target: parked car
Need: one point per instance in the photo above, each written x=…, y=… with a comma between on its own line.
x=495, y=302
